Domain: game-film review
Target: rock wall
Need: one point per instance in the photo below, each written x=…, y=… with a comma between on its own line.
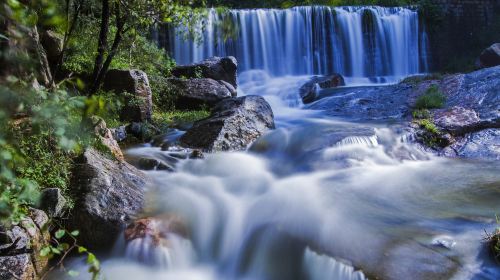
x=466, y=27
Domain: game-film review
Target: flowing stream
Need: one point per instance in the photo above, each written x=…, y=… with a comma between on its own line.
x=319, y=197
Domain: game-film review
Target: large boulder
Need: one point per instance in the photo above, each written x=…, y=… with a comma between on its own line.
x=134, y=86
x=233, y=125
x=52, y=42
x=471, y=114
x=308, y=92
x=490, y=57
x=109, y=195
x=196, y=93
x=20, y=255
x=217, y=68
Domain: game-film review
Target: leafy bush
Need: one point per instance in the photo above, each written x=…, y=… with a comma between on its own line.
x=164, y=95
x=433, y=98
x=429, y=126
x=135, y=52
x=421, y=114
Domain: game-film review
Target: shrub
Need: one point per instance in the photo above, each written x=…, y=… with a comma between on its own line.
x=135, y=52
x=429, y=126
x=421, y=114
x=433, y=98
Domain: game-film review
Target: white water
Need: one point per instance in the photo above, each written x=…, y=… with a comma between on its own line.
x=318, y=198
x=361, y=42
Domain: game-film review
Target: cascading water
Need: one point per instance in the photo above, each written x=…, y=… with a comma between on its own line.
x=357, y=42
x=319, y=197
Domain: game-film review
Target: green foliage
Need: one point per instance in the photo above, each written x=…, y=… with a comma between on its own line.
x=415, y=80
x=421, y=114
x=429, y=126
x=493, y=241
x=63, y=244
x=433, y=98
x=135, y=52
x=168, y=119
x=164, y=94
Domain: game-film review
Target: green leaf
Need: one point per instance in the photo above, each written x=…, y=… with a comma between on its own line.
x=91, y=259
x=45, y=251
x=75, y=233
x=60, y=233
x=73, y=273
x=82, y=249
x=55, y=251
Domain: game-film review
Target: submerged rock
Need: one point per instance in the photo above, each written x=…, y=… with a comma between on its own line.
x=367, y=103
x=233, y=125
x=308, y=92
x=198, y=92
x=155, y=241
x=490, y=57
x=109, y=194
x=134, y=86
x=217, y=68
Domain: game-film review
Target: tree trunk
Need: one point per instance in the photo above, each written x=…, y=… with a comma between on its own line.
x=114, y=49
x=102, y=46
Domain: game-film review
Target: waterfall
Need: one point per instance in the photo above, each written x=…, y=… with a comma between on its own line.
x=358, y=42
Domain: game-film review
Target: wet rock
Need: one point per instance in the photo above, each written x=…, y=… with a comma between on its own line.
x=484, y=144
x=217, y=68
x=53, y=202
x=158, y=241
x=308, y=92
x=109, y=194
x=196, y=154
x=52, y=42
x=457, y=120
x=490, y=57
x=157, y=228
x=153, y=164
x=119, y=133
x=134, y=85
x=106, y=137
x=198, y=92
x=444, y=241
x=233, y=125
x=367, y=103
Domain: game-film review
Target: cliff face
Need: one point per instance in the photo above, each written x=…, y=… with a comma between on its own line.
x=464, y=29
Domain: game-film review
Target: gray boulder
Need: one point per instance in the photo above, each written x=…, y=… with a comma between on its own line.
x=308, y=92
x=484, y=144
x=217, y=68
x=20, y=256
x=53, y=202
x=233, y=125
x=457, y=120
x=196, y=93
x=134, y=85
x=52, y=42
x=109, y=194
x=490, y=57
